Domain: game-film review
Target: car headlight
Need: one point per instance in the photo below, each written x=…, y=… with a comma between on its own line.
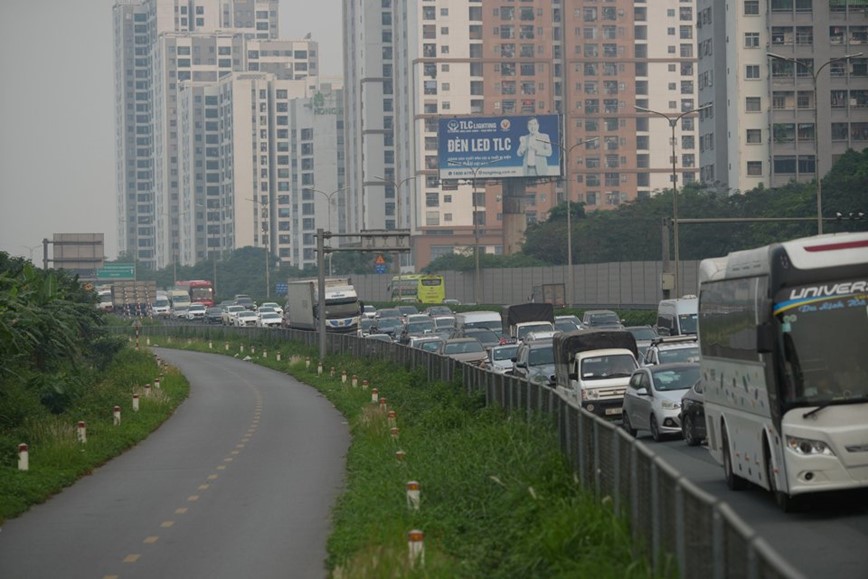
x=808, y=447
x=670, y=405
x=588, y=394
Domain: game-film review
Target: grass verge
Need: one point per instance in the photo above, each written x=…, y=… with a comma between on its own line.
x=56, y=456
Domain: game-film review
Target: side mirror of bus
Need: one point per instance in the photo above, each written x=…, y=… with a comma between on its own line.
x=765, y=338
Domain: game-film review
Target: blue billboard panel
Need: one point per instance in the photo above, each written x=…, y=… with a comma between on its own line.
x=499, y=147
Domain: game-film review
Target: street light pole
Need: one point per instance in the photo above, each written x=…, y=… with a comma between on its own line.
x=329, y=197
x=814, y=76
x=569, y=197
x=673, y=122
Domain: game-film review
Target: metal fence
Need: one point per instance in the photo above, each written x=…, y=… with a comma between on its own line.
x=672, y=520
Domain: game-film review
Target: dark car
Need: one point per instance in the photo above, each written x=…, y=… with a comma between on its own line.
x=214, y=315
x=246, y=301
x=391, y=326
x=488, y=338
x=602, y=319
x=416, y=328
x=693, y=415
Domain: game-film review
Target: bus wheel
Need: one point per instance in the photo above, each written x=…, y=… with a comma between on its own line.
x=733, y=481
x=786, y=503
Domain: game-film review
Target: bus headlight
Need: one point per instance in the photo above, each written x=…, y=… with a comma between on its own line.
x=808, y=447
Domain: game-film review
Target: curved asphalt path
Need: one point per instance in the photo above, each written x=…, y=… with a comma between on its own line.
x=240, y=482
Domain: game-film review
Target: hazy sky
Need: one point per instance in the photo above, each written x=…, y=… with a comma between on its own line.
x=57, y=113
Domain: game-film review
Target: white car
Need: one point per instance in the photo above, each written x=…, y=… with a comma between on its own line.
x=653, y=398
x=369, y=312
x=229, y=313
x=245, y=318
x=196, y=312
x=500, y=358
x=268, y=319
x=274, y=306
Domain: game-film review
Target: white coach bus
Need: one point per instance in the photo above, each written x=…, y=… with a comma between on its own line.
x=783, y=331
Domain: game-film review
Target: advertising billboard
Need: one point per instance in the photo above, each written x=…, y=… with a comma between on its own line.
x=499, y=147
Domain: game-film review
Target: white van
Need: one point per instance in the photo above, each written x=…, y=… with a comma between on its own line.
x=481, y=319
x=677, y=317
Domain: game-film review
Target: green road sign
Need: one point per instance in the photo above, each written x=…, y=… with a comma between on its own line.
x=117, y=271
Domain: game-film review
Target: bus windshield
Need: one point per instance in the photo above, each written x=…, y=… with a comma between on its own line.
x=687, y=323
x=824, y=339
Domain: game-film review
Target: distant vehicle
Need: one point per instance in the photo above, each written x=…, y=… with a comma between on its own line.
x=245, y=318
x=214, y=315
x=196, y=312
x=389, y=313
x=692, y=415
x=644, y=335
x=407, y=310
x=274, y=306
x=268, y=319
x=416, y=328
x=418, y=287
x=653, y=398
x=467, y=350
x=229, y=313
x=105, y=300
x=479, y=319
x=427, y=343
x=488, y=338
x=602, y=319
x=443, y=322
x=161, y=308
x=534, y=361
x=180, y=299
x=671, y=349
x=567, y=323
x=500, y=358
x=342, y=308
x=391, y=326
x=517, y=320
x=369, y=312
x=246, y=301
x=438, y=311
x=677, y=317
x=200, y=291
x=365, y=326
x=451, y=302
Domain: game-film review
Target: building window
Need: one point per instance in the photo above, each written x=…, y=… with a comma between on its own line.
x=752, y=71
x=754, y=136
x=755, y=168
x=751, y=39
x=753, y=104
x=751, y=8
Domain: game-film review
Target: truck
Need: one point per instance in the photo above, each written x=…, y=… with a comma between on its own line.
x=520, y=319
x=133, y=298
x=593, y=367
x=180, y=301
x=342, y=307
x=549, y=293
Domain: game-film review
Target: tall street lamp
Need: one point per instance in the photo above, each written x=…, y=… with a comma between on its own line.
x=673, y=122
x=568, y=194
x=329, y=197
x=477, y=292
x=815, y=73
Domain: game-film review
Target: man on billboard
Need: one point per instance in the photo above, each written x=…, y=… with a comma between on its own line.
x=535, y=148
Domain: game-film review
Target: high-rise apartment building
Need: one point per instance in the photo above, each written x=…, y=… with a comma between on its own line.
x=408, y=64
x=789, y=85
x=186, y=135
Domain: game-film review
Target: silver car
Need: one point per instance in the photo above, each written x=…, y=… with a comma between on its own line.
x=653, y=398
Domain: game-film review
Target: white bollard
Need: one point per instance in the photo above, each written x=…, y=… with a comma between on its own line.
x=210, y=345
x=413, y=495
x=226, y=346
x=82, y=432
x=278, y=356
x=355, y=381
x=264, y=354
x=147, y=390
x=23, y=457
x=400, y=455
x=383, y=406
x=394, y=432
x=252, y=349
x=307, y=363
x=344, y=377
x=319, y=369
x=242, y=348
x=148, y=341
x=116, y=415
x=364, y=384
x=135, y=402
x=416, y=548
x=157, y=383
x=375, y=396
x=332, y=372
x=393, y=418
